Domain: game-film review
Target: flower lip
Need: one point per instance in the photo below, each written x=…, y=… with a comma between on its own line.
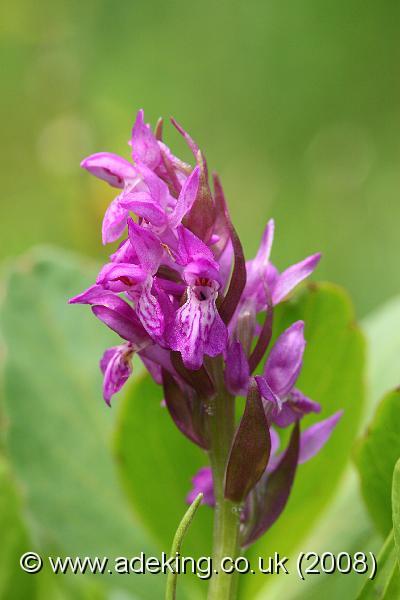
x=202, y=292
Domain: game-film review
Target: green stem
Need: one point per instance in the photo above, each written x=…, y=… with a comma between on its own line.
x=170, y=592
x=227, y=514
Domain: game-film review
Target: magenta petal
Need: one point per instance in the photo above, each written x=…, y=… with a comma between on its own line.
x=96, y=294
x=153, y=368
x=156, y=187
x=155, y=356
x=93, y=292
x=198, y=328
x=117, y=367
x=142, y=204
x=128, y=329
x=288, y=280
x=236, y=370
x=273, y=403
x=110, y=167
x=316, y=436
x=186, y=198
x=275, y=442
x=191, y=249
x=262, y=257
x=295, y=408
x=285, y=360
x=145, y=148
x=199, y=269
x=146, y=245
x=225, y=260
x=120, y=277
x=257, y=268
x=150, y=312
x=114, y=221
x=202, y=483
x=125, y=253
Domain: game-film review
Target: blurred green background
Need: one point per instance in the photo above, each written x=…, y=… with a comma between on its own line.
x=297, y=105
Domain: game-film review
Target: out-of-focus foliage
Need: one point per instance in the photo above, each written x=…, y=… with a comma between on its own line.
x=14, y=540
x=58, y=437
x=386, y=585
x=382, y=328
x=376, y=455
x=296, y=105
x=396, y=507
x=156, y=464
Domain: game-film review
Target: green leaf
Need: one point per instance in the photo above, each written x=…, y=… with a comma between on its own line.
x=14, y=583
x=172, y=577
x=376, y=455
x=332, y=375
x=344, y=526
x=383, y=335
x=58, y=439
x=386, y=584
x=396, y=507
x=156, y=464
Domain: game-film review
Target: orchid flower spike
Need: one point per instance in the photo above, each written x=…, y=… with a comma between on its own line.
x=179, y=293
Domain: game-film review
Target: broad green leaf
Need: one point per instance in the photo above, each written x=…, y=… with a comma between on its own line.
x=396, y=507
x=157, y=463
x=58, y=438
x=382, y=328
x=386, y=584
x=332, y=375
x=376, y=455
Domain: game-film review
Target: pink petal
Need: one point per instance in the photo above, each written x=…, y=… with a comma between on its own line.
x=186, y=198
x=316, y=436
x=110, y=167
x=285, y=360
x=290, y=278
x=145, y=148
x=114, y=221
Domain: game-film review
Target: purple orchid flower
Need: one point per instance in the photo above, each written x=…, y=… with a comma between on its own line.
x=197, y=328
x=283, y=402
x=261, y=272
x=264, y=279
x=179, y=293
x=116, y=366
x=145, y=148
x=119, y=173
x=153, y=202
x=202, y=483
